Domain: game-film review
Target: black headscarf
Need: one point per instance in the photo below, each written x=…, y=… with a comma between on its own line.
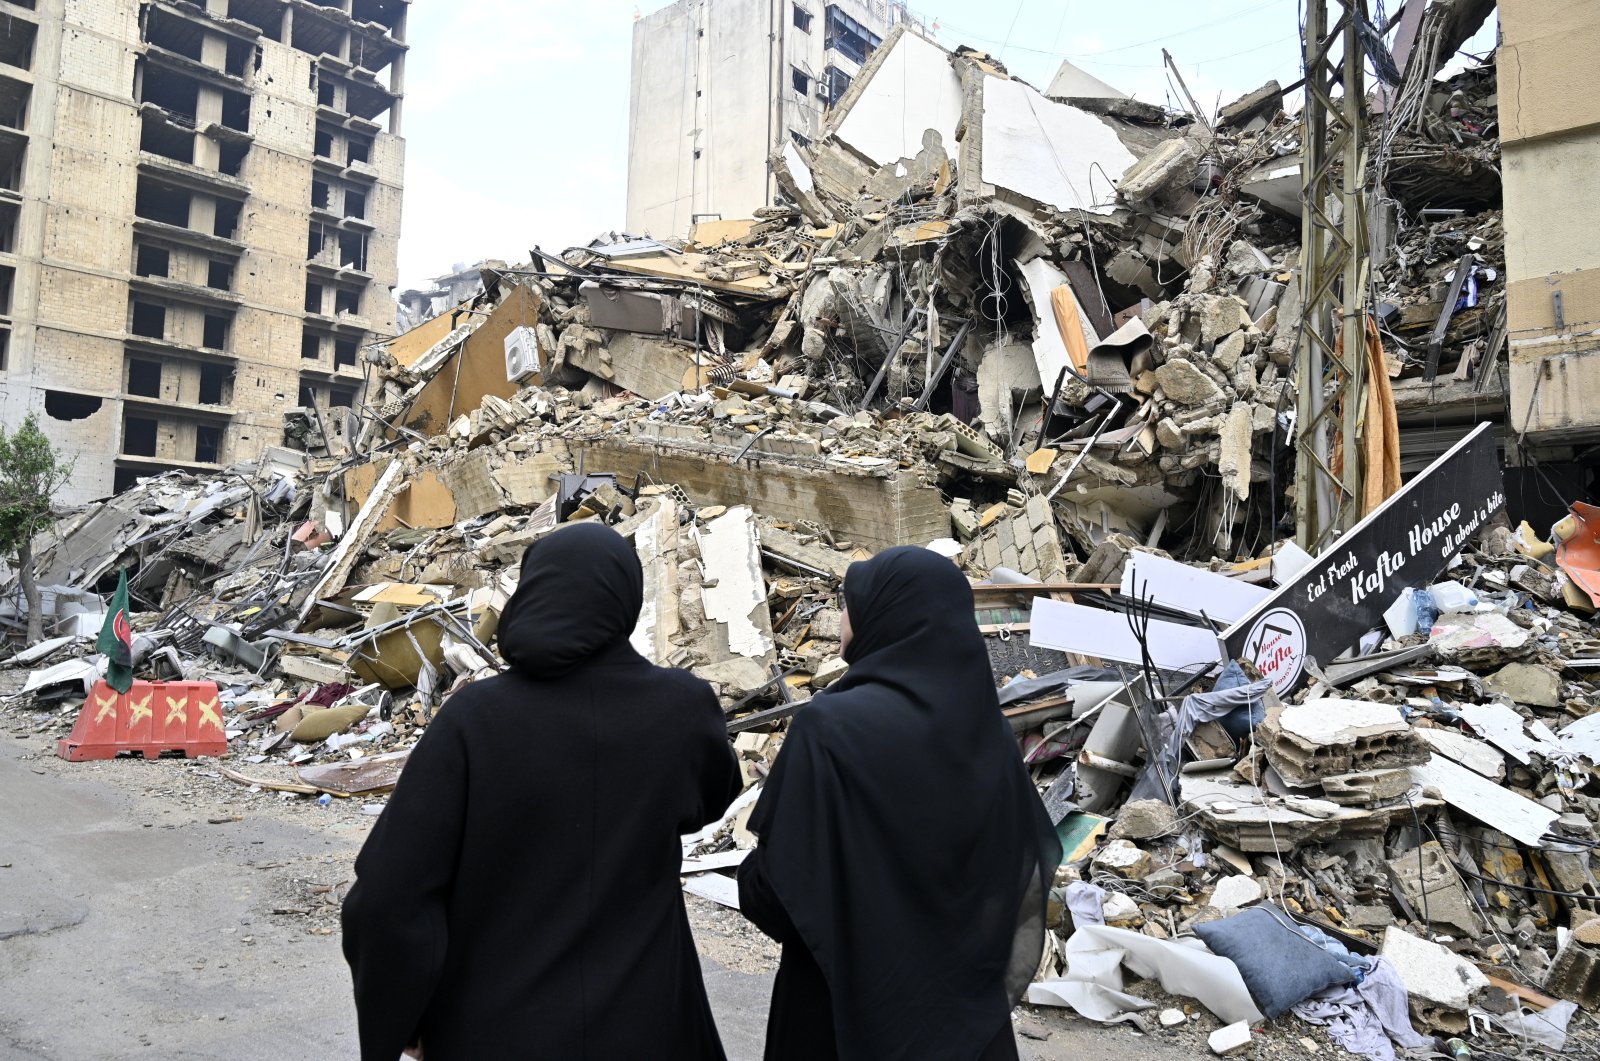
x=901, y=831
x=580, y=593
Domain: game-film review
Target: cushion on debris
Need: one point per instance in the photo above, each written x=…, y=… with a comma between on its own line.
x=320, y=725
x=1279, y=966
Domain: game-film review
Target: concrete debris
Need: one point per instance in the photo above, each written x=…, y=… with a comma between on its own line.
x=953, y=333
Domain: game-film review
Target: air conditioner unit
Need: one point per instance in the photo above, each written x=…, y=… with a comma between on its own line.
x=522, y=354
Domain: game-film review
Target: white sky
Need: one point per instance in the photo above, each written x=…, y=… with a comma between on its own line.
x=516, y=112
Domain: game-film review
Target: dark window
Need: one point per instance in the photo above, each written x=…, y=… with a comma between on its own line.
x=231, y=164
x=144, y=378
x=313, y=297
x=207, y=443
x=310, y=346
x=216, y=384
x=5, y=347
x=321, y=194
x=239, y=57
x=160, y=138
x=353, y=251
x=228, y=218
x=325, y=93
x=59, y=405
x=358, y=149
x=139, y=437
x=149, y=320
x=220, y=276
x=308, y=397
x=355, y=204
x=9, y=214
x=216, y=332
x=8, y=279
x=315, y=243
x=835, y=83
x=802, y=19
x=236, y=111
x=347, y=301
x=848, y=37
x=801, y=81
x=324, y=146
x=344, y=352
x=159, y=202
x=16, y=44
x=341, y=397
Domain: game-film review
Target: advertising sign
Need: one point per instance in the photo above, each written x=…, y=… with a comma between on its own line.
x=1403, y=545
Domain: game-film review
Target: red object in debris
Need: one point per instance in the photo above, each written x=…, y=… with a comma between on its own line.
x=1579, y=554
x=151, y=718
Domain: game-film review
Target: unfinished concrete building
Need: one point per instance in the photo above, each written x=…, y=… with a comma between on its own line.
x=718, y=84
x=199, y=219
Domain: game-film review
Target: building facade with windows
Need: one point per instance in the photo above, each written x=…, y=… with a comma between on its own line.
x=717, y=85
x=199, y=220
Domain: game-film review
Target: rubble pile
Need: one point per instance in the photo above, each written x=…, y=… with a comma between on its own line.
x=1055, y=340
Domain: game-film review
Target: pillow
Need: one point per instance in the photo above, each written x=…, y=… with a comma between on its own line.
x=1279, y=965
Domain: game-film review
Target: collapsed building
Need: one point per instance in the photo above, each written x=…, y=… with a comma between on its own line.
x=1054, y=338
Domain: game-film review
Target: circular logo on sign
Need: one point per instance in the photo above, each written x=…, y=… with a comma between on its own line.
x=1277, y=647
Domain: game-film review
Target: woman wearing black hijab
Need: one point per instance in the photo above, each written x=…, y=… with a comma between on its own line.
x=519, y=897
x=905, y=858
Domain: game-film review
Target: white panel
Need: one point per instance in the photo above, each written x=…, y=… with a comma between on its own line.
x=1192, y=589
x=1049, y=152
x=914, y=90
x=1107, y=635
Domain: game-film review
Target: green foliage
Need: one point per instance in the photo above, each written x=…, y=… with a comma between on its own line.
x=31, y=471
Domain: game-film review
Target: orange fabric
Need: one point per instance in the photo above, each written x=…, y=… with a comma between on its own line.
x=1070, y=325
x=1380, y=430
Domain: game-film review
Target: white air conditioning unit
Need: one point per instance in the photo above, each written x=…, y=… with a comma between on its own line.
x=522, y=354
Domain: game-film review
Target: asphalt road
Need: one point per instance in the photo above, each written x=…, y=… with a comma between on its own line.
x=148, y=913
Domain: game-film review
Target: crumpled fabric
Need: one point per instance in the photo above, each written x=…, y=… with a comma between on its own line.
x=1369, y=1018
x=1087, y=903
x=1159, y=778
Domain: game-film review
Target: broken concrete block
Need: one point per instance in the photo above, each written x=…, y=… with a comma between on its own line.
x=1184, y=383
x=1330, y=737
x=1145, y=819
x=1123, y=858
x=1243, y=260
x=1228, y=351
x=1575, y=974
x=1478, y=641
x=1526, y=683
x=1233, y=1039
x=829, y=673
x=1235, y=893
x=1171, y=1018
x=1173, y=162
x=1432, y=974
x=1234, y=463
x=1434, y=889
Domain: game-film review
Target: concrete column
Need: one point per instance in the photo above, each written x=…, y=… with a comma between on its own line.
x=207, y=152
x=397, y=85
x=214, y=51
x=208, y=108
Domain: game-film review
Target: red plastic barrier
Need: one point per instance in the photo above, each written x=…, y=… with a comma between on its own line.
x=152, y=719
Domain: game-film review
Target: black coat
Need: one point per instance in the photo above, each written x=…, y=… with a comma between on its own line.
x=904, y=858
x=519, y=897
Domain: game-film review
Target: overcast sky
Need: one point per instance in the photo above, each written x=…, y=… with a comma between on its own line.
x=516, y=112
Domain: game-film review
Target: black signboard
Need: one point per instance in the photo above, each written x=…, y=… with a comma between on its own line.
x=1403, y=545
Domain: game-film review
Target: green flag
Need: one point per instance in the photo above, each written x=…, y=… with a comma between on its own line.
x=116, y=639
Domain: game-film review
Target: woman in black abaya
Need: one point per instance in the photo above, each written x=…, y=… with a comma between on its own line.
x=904, y=858
x=519, y=898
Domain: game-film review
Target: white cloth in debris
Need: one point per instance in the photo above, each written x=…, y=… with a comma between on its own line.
x=1369, y=1018
x=1093, y=984
x=1087, y=903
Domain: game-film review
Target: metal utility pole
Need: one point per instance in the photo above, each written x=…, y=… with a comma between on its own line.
x=1330, y=385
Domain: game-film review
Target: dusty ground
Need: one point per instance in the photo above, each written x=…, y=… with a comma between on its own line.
x=159, y=910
